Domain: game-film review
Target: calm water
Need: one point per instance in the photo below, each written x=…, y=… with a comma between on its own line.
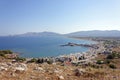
x=41, y=46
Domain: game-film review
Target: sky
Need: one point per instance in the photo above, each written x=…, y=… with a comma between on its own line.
x=61, y=16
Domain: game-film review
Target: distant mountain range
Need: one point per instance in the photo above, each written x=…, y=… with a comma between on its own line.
x=38, y=34
x=93, y=33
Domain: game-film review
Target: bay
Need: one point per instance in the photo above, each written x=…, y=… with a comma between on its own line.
x=42, y=46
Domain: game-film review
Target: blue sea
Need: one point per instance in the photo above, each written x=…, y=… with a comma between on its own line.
x=41, y=46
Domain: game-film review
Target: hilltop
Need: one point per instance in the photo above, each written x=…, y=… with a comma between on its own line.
x=95, y=33
x=37, y=34
x=92, y=33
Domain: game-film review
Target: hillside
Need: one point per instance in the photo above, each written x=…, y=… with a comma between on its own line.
x=37, y=34
x=92, y=33
x=95, y=33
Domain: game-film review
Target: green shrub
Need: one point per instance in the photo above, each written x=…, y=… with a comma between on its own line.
x=41, y=60
x=2, y=54
x=110, y=56
x=112, y=66
x=107, y=61
x=113, y=55
x=118, y=55
x=50, y=61
x=6, y=51
x=33, y=60
x=20, y=59
x=95, y=66
x=99, y=62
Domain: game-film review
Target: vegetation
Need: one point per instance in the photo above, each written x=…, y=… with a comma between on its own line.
x=96, y=66
x=50, y=61
x=110, y=56
x=99, y=62
x=32, y=60
x=112, y=66
x=4, y=52
x=107, y=61
x=40, y=60
x=113, y=55
x=20, y=59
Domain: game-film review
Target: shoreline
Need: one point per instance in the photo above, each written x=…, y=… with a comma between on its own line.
x=89, y=50
x=91, y=53
x=74, y=57
x=85, y=66
x=42, y=56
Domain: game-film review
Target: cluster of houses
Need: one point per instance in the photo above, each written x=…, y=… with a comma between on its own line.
x=82, y=58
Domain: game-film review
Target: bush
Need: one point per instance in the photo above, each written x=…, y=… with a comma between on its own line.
x=50, y=61
x=33, y=60
x=112, y=66
x=77, y=72
x=118, y=55
x=20, y=59
x=95, y=66
x=41, y=60
x=113, y=55
x=107, y=61
x=2, y=54
x=99, y=62
x=6, y=51
x=110, y=56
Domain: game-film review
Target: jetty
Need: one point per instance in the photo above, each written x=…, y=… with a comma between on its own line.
x=83, y=45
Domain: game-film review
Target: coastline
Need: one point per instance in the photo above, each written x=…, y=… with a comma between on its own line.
x=88, y=55
x=53, y=50
x=90, y=50
x=86, y=66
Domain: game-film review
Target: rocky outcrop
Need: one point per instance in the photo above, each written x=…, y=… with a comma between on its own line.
x=20, y=67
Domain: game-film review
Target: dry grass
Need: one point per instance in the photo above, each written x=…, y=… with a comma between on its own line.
x=66, y=71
